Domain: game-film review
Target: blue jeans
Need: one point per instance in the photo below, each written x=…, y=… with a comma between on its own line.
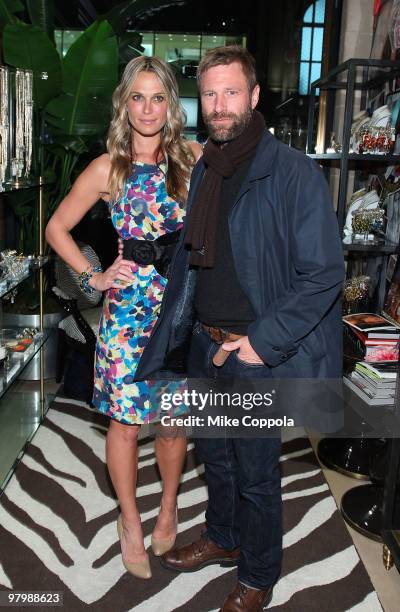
x=243, y=478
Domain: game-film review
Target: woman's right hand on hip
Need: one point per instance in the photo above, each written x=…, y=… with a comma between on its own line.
x=116, y=276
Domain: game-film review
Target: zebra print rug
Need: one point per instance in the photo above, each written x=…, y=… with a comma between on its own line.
x=58, y=530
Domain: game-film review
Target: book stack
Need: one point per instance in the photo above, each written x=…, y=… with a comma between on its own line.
x=374, y=341
x=374, y=384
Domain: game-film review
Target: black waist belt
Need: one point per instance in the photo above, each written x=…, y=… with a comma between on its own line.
x=158, y=252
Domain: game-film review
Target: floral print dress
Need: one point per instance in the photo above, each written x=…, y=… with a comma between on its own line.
x=145, y=211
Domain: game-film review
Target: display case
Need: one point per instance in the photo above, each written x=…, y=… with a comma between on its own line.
x=22, y=405
x=371, y=509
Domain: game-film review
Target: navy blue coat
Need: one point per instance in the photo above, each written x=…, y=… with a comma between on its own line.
x=289, y=262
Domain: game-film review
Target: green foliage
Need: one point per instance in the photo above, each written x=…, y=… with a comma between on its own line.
x=72, y=105
x=27, y=46
x=89, y=78
x=24, y=203
x=8, y=8
x=41, y=14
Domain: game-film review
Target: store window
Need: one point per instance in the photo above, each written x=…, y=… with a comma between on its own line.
x=312, y=36
x=148, y=42
x=182, y=51
x=64, y=39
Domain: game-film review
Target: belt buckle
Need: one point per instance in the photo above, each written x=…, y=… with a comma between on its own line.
x=222, y=335
x=216, y=334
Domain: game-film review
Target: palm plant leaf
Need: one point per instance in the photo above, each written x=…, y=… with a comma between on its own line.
x=41, y=14
x=7, y=10
x=75, y=116
x=27, y=46
x=89, y=78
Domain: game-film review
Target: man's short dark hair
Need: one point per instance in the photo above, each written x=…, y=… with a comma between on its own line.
x=223, y=56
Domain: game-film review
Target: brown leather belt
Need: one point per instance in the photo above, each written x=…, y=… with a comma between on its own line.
x=219, y=335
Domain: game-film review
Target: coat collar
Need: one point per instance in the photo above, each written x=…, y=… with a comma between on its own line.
x=263, y=158
x=260, y=167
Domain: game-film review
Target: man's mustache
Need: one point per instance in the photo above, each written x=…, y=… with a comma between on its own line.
x=215, y=115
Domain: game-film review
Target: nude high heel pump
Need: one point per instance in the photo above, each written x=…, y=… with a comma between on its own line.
x=163, y=545
x=140, y=570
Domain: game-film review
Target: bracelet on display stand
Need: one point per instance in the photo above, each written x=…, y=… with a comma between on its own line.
x=85, y=276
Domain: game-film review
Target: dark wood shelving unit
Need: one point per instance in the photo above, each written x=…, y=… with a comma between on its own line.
x=361, y=502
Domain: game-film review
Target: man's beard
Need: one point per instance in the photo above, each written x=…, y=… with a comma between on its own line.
x=225, y=134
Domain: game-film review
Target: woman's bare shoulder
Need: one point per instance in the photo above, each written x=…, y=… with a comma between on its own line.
x=101, y=165
x=197, y=149
x=99, y=169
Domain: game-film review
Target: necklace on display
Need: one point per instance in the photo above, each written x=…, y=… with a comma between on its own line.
x=28, y=117
x=4, y=124
x=17, y=163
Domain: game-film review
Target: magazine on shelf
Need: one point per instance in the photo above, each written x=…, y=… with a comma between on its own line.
x=373, y=325
x=370, y=388
x=356, y=347
x=374, y=379
x=371, y=401
x=383, y=340
x=383, y=371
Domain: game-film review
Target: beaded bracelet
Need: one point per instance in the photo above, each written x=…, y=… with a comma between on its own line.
x=84, y=278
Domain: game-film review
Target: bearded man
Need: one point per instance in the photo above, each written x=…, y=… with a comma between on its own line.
x=265, y=251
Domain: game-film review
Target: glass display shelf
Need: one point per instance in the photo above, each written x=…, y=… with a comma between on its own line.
x=22, y=184
x=17, y=363
x=380, y=246
x=357, y=157
x=12, y=284
x=384, y=70
x=368, y=420
x=20, y=417
x=325, y=156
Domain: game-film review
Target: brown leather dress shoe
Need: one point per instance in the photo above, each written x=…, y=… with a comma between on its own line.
x=197, y=555
x=245, y=599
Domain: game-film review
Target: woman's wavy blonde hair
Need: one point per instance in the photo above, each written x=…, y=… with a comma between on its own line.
x=174, y=148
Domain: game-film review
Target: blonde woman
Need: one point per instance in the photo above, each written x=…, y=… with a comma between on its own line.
x=144, y=178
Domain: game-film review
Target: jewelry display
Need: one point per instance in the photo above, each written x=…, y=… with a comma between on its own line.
x=373, y=135
x=334, y=145
x=11, y=295
x=375, y=139
x=16, y=344
x=4, y=126
x=365, y=221
x=354, y=290
x=24, y=262
x=19, y=143
x=16, y=120
x=14, y=267
x=360, y=200
x=28, y=119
